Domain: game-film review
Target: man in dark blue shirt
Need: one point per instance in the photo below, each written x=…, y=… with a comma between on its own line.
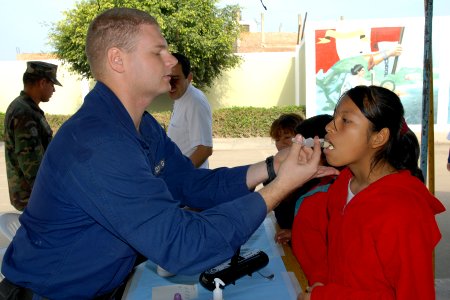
x=111, y=183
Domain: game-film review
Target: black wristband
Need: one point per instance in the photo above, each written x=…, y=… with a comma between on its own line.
x=270, y=170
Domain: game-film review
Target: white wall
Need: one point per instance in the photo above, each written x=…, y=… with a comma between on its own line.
x=262, y=80
x=66, y=99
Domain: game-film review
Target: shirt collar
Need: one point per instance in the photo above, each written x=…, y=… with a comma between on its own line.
x=30, y=101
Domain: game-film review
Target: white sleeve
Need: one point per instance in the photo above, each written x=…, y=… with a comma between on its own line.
x=200, y=123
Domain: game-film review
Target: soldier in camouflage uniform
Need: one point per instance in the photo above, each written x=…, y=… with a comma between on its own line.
x=27, y=133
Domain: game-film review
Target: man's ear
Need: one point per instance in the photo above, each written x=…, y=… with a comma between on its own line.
x=190, y=77
x=42, y=82
x=380, y=138
x=115, y=59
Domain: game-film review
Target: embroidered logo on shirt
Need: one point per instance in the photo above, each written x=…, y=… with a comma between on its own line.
x=159, y=167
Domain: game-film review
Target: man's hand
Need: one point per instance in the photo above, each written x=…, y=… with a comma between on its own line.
x=295, y=165
x=281, y=155
x=301, y=163
x=300, y=160
x=298, y=166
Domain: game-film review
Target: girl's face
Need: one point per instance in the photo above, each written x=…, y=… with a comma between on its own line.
x=349, y=135
x=284, y=139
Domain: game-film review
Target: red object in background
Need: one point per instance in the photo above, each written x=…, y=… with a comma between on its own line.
x=326, y=54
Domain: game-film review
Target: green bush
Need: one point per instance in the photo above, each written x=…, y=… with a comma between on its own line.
x=238, y=122
x=234, y=122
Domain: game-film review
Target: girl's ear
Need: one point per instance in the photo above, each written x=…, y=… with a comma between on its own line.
x=380, y=138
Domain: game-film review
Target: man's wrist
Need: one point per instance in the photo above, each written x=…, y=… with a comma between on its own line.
x=270, y=170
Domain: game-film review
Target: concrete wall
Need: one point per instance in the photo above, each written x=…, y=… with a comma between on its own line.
x=262, y=80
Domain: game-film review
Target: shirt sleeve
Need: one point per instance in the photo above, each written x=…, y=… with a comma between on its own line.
x=200, y=124
x=198, y=188
x=405, y=245
x=133, y=204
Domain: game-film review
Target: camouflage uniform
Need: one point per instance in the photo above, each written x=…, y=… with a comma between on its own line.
x=27, y=135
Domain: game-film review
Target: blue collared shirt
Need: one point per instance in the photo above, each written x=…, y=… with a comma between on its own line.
x=106, y=192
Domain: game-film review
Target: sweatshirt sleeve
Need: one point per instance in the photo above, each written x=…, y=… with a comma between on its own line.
x=309, y=238
x=405, y=245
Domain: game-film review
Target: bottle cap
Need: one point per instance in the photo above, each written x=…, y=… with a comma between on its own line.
x=177, y=296
x=217, y=293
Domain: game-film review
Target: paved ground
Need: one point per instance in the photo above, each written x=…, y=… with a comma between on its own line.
x=234, y=152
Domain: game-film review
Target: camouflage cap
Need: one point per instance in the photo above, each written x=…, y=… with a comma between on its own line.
x=43, y=69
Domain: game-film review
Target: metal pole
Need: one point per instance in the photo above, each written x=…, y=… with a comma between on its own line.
x=427, y=135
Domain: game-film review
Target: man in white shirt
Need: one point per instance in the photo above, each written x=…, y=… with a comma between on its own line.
x=190, y=126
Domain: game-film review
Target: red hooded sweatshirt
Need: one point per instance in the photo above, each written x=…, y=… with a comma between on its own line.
x=378, y=246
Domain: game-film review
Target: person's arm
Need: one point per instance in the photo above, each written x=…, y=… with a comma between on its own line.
x=200, y=155
x=202, y=189
x=200, y=130
x=378, y=57
x=137, y=206
x=28, y=146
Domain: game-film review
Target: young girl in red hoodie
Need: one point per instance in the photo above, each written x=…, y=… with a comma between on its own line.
x=372, y=234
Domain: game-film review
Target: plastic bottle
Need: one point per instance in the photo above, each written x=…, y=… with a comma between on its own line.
x=217, y=293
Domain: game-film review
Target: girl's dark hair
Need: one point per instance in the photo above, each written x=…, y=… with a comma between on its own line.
x=383, y=109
